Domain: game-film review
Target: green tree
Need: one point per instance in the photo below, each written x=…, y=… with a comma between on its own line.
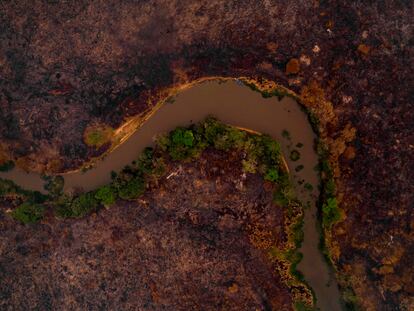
x=330, y=212
x=132, y=189
x=83, y=205
x=271, y=175
x=182, y=145
x=271, y=150
x=106, y=195
x=212, y=129
x=145, y=161
x=28, y=213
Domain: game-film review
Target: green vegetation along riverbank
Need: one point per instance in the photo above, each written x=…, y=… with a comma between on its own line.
x=261, y=155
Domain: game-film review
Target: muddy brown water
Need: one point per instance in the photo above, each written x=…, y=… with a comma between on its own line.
x=235, y=104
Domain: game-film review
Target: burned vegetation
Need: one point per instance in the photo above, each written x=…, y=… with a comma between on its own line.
x=65, y=67
x=209, y=216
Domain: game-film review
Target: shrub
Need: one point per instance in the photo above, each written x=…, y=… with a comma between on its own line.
x=28, y=213
x=299, y=168
x=35, y=196
x=303, y=306
x=12, y=127
x=7, y=166
x=163, y=142
x=82, y=205
x=271, y=175
x=62, y=206
x=281, y=199
x=159, y=167
x=249, y=165
x=294, y=257
x=330, y=188
x=98, y=135
x=131, y=189
x=106, y=195
x=183, y=144
x=9, y=187
x=144, y=163
x=228, y=137
x=330, y=213
x=212, y=129
x=271, y=149
x=294, y=155
x=235, y=138
x=54, y=185
x=297, y=230
x=286, y=134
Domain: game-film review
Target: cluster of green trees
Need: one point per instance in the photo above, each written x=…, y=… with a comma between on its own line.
x=331, y=213
x=30, y=203
x=29, y=212
x=9, y=189
x=261, y=154
x=129, y=184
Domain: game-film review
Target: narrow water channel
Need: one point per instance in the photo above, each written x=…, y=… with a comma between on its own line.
x=237, y=105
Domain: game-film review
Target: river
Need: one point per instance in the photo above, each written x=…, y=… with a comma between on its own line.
x=235, y=104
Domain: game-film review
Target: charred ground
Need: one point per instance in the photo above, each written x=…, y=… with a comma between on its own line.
x=64, y=66
x=197, y=239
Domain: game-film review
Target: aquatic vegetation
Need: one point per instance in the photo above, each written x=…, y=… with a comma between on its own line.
x=308, y=186
x=294, y=155
x=54, y=185
x=299, y=168
x=286, y=134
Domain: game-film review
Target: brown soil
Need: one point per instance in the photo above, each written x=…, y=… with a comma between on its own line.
x=195, y=241
x=64, y=66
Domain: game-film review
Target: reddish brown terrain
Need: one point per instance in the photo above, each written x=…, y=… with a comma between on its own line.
x=195, y=241
x=64, y=66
